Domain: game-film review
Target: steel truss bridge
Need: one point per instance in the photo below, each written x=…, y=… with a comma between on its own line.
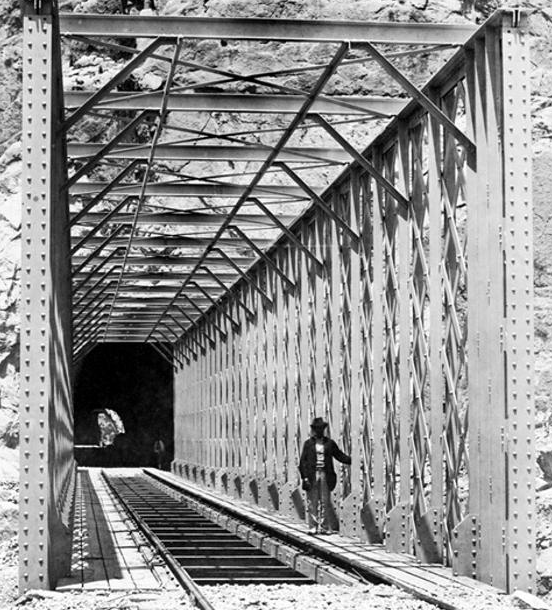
x=395, y=301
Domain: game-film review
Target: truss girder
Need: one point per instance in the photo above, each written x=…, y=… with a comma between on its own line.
x=401, y=339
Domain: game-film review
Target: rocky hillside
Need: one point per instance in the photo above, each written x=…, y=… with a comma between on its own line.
x=85, y=70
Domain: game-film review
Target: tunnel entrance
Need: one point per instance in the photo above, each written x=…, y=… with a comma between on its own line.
x=124, y=407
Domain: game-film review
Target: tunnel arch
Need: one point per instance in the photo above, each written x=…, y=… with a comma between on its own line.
x=133, y=381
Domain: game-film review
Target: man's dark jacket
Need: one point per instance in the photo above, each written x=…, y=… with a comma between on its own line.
x=307, y=463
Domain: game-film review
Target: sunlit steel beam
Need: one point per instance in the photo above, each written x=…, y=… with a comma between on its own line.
x=174, y=242
x=237, y=102
x=186, y=189
x=177, y=261
x=287, y=30
x=187, y=218
x=180, y=152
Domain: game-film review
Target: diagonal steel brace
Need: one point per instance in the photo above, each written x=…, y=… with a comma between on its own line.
x=92, y=273
x=121, y=76
x=216, y=304
x=100, y=196
x=102, y=223
x=319, y=201
x=421, y=98
x=235, y=296
x=164, y=356
x=243, y=274
x=264, y=256
x=201, y=313
x=290, y=234
x=362, y=161
x=104, y=150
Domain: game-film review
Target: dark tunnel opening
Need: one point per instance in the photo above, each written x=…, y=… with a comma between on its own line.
x=123, y=400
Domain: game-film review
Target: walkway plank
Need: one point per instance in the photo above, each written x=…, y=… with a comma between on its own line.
x=109, y=552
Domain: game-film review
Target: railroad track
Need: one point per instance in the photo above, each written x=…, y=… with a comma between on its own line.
x=197, y=550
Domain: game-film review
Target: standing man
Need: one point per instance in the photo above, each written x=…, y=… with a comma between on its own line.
x=318, y=475
x=159, y=451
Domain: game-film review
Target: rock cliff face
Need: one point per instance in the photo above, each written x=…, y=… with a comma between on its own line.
x=86, y=70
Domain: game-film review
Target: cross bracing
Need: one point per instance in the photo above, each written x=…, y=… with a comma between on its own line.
x=183, y=168
x=292, y=246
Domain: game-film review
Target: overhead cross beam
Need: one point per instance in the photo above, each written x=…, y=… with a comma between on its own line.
x=180, y=152
x=298, y=118
x=285, y=30
x=170, y=241
x=184, y=189
x=237, y=102
x=169, y=261
x=191, y=219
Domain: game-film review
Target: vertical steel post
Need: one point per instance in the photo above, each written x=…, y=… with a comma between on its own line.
x=374, y=511
x=399, y=518
x=518, y=333
x=432, y=548
x=46, y=420
x=351, y=505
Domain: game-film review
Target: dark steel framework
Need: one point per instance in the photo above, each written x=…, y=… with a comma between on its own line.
x=397, y=302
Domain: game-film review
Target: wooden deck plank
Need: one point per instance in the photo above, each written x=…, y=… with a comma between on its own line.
x=115, y=557
x=109, y=553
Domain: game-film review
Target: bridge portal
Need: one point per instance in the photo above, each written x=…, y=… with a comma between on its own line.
x=394, y=299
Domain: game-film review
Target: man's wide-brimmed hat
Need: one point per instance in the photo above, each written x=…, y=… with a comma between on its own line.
x=318, y=422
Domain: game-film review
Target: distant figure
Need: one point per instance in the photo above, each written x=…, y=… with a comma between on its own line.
x=159, y=450
x=318, y=475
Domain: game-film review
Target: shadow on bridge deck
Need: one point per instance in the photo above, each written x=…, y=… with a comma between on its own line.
x=106, y=552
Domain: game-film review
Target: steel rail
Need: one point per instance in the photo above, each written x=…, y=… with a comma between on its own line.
x=320, y=84
x=289, y=537
x=180, y=573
